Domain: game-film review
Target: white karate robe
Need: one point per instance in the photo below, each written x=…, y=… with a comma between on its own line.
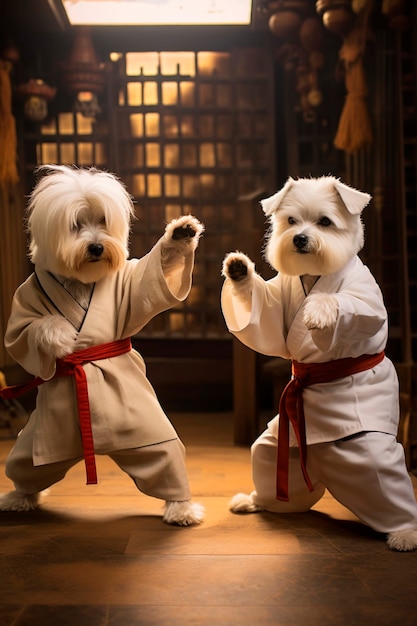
x=366, y=473
x=271, y=323
x=125, y=412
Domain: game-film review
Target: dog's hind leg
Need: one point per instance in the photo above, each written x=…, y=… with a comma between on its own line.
x=402, y=540
x=18, y=502
x=185, y=513
x=243, y=503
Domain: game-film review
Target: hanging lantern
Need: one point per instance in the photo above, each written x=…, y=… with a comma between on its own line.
x=36, y=95
x=83, y=75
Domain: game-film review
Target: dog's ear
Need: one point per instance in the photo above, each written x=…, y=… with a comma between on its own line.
x=354, y=200
x=270, y=205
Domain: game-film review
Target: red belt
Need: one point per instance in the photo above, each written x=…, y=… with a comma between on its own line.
x=291, y=408
x=72, y=365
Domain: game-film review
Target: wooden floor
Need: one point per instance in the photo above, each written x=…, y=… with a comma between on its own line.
x=101, y=556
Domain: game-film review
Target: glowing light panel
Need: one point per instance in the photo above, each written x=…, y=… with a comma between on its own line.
x=158, y=12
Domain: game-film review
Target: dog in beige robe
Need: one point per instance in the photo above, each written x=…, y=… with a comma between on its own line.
x=70, y=327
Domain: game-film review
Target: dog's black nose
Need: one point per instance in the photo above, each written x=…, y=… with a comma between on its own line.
x=96, y=249
x=300, y=241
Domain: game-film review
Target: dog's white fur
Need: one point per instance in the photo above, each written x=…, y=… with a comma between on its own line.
x=326, y=214
x=71, y=212
x=316, y=209
x=19, y=502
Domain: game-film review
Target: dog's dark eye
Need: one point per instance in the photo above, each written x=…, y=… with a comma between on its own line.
x=324, y=221
x=292, y=220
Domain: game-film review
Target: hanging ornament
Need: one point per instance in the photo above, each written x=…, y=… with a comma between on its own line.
x=284, y=24
x=36, y=95
x=83, y=75
x=287, y=16
x=311, y=34
x=396, y=12
x=10, y=52
x=311, y=39
x=337, y=15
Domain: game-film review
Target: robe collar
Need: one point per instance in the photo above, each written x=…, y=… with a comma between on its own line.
x=329, y=283
x=61, y=299
x=299, y=341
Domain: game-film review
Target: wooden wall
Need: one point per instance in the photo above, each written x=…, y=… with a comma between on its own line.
x=14, y=266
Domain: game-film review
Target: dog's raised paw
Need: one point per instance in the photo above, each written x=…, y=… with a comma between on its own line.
x=184, y=229
x=184, y=513
x=243, y=503
x=183, y=232
x=402, y=540
x=18, y=502
x=237, y=266
x=237, y=270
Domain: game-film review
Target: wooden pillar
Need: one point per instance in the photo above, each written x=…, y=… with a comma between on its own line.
x=245, y=394
x=245, y=361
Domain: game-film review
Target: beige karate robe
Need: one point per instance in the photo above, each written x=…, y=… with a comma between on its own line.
x=125, y=412
x=272, y=323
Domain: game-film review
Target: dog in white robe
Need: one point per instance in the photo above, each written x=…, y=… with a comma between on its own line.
x=70, y=326
x=339, y=414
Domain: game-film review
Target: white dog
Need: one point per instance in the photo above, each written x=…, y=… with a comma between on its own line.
x=70, y=327
x=338, y=416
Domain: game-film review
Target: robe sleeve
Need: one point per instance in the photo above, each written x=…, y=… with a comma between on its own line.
x=28, y=307
x=361, y=321
x=258, y=322
x=148, y=291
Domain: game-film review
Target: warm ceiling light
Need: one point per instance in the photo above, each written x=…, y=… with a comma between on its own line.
x=158, y=12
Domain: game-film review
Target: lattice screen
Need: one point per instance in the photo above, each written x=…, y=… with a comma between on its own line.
x=188, y=132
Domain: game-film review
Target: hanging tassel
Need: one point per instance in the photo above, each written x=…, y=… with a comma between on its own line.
x=355, y=127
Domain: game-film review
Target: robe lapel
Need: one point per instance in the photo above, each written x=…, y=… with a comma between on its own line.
x=333, y=282
x=61, y=299
x=99, y=323
x=299, y=341
x=296, y=333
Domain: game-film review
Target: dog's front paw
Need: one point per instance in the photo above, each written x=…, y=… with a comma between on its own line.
x=237, y=266
x=184, y=232
x=55, y=335
x=320, y=311
x=240, y=270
